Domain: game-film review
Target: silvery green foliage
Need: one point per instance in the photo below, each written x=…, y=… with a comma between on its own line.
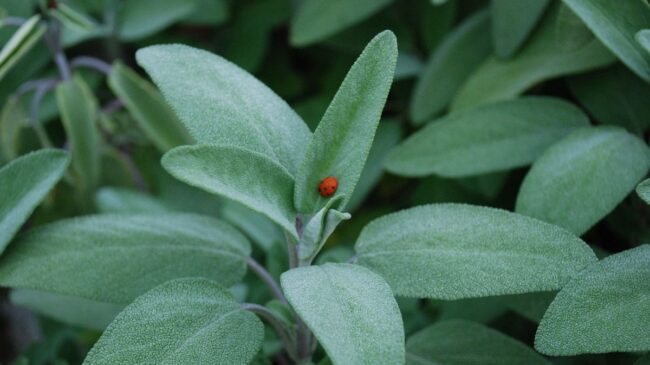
x=185, y=321
x=454, y=251
x=512, y=23
x=23, y=184
x=20, y=43
x=579, y=180
x=351, y=310
x=604, y=308
x=115, y=258
x=643, y=190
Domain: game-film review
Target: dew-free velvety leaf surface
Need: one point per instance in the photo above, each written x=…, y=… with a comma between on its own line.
x=512, y=23
x=583, y=177
x=121, y=200
x=489, y=138
x=115, y=258
x=605, y=308
x=141, y=18
x=261, y=230
x=643, y=190
x=24, y=182
x=220, y=103
x=147, y=106
x=351, y=310
x=186, y=321
x=459, y=342
x=238, y=174
x=455, y=251
x=461, y=52
x=341, y=142
x=316, y=20
x=542, y=58
x=615, y=23
x=643, y=38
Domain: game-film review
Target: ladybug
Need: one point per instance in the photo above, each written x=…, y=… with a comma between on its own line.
x=328, y=186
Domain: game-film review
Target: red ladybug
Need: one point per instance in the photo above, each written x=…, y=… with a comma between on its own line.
x=328, y=186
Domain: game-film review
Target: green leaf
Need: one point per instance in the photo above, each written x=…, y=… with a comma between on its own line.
x=261, y=230
x=185, y=321
x=316, y=20
x=74, y=311
x=122, y=200
x=209, y=12
x=351, y=311
x=512, y=23
x=72, y=18
x=582, y=178
x=615, y=24
x=317, y=230
x=614, y=95
x=142, y=18
x=643, y=190
x=544, y=57
x=20, y=43
x=24, y=182
x=78, y=108
x=267, y=188
x=461, y=52
x=344, y=136
x=530, y=305
x=429, y=252
x=153, y=115
x=12, y=121
x=643, y=38
x=115, y=258
x=489, y=138
x=223, y=104
x=459, y=342
x=605, y=308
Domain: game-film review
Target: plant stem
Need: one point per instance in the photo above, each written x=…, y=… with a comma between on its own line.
x=39, y=94
x=292, y=248
x=92, y=63
x=266, y=278
x=277, y=325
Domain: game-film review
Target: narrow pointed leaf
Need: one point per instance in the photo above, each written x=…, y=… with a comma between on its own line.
x=643, y=190
x=486, y=139
x=20, y=43
x=429, y=252
x=344, y=136
x=185, y=321
x=73, y=18
x=115, y=258
x=244, y=176
x=24, y=182
x=583, y=177
x=220, y=103
x=512, y=22
x=351, y=310
x=459, y=342
x=605, y=308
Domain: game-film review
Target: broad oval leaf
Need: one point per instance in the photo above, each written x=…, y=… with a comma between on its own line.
x=24, y=182
x=20, y=43
x=316, y=20
x=220, y=103
x=341, y=142
x=153, y=115
x=351, y=310
x=455, y=251
x=615, y=23
x=605, y=308
x=238, y=174
x=461, y=52
x=115, y=258
x=185, y=321
x=459, y=342
x=543, y=57
x=582, y=178
x=142, y=18
x=512, y=22
x=643, y=190
x=489, y=138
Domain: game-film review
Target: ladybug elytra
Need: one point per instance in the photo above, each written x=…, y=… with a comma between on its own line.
x=328, y=186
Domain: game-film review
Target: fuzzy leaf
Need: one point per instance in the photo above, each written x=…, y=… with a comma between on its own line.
x=121, y=200
x=486, y=139
x=615, y=23
x=316, y=20
x=459, y=342
x=261, y=230
x=238, y=174
x=461, y=52
x=223, y=104
x=24, y=182
x=351, y=310
x=512, y=22
x=115, y=258
x=142, y=18
x=153, y=115
x=185, y=321
x=643, y=190
x=643, y=38
x=605, y=308
x=542, y=58
x=20, y=43
x=344, y=136
x=317, y=230
x=455, y=251
x=583, y=177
